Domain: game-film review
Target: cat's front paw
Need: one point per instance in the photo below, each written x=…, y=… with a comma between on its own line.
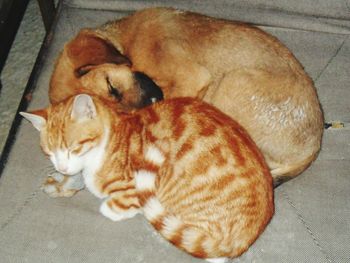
x=59, y=185
x=108, y=212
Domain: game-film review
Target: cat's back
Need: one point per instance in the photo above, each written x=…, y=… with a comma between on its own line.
x=214, y=176
x=184, y=118
x=199, y=138
x=191, y=122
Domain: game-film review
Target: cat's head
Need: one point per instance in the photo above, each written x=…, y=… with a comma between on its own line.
x=72, y=133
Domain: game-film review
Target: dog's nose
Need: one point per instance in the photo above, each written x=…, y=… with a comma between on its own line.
x=151, y=92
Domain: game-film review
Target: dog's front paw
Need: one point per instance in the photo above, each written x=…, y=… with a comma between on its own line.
x=59, y=185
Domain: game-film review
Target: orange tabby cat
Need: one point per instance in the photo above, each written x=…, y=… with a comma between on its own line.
x=194, y=173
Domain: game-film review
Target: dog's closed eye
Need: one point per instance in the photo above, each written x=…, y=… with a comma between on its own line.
x=114, y=91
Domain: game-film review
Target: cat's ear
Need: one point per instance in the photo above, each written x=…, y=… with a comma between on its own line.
x=83, y=108
x=37, y=118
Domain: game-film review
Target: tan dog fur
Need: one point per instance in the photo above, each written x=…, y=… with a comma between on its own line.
x=245, y=72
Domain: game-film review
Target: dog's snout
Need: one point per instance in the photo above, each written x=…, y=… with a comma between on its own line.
x=151, y=92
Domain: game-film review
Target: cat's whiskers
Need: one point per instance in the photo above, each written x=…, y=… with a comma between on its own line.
x=50, y=170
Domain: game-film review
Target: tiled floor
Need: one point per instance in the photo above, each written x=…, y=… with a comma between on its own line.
x=19, y=65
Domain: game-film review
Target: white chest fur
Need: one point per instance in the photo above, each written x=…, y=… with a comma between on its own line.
x=93, y=163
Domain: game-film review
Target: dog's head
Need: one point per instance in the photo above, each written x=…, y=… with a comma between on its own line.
x=119, y=83
x=90, y=64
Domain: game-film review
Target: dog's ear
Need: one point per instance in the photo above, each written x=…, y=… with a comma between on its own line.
x=79, y=72
x=88, y=50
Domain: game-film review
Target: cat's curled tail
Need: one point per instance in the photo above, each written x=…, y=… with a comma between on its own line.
x=192, y=239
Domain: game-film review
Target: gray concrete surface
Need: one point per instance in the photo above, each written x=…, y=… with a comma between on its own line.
x=312, y=217
x=19, y=65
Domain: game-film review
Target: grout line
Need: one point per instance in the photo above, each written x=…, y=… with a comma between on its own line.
x=19, y=210
x=307, y=227
x=26, y=201
x=331, y=59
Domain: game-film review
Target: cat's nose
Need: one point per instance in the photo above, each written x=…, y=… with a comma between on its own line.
x=62, y=168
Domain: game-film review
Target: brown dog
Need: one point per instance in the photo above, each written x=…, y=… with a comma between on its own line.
x=240, y=69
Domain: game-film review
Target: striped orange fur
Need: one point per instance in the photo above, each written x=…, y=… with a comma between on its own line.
x=194, y=172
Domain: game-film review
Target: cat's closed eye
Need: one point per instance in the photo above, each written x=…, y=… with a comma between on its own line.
x=76, y=149
x=83, y=146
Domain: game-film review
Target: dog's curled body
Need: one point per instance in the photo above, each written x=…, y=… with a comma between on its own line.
x=245, y=72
